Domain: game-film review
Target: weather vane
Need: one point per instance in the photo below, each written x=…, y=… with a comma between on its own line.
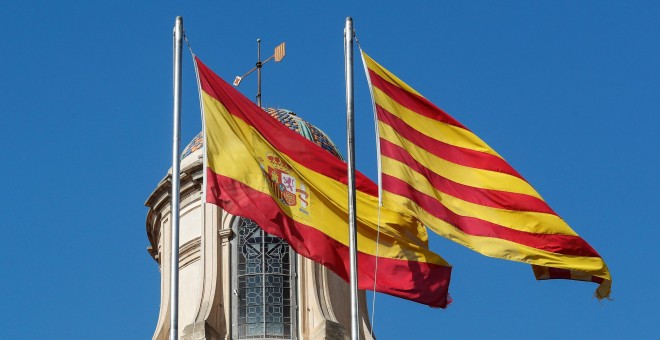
x=278, y=55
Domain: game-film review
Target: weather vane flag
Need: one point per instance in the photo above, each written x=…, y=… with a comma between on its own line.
x=278, y=55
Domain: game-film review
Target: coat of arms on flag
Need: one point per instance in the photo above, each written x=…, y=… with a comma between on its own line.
x=284, y=184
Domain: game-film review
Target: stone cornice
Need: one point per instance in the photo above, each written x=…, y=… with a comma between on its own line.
x=225, y=233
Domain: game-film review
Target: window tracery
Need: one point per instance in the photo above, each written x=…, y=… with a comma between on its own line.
x=264, y=284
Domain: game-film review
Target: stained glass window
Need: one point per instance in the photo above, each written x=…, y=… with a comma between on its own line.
x=263, y=294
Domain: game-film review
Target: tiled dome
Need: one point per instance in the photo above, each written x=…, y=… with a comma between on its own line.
x=292, y=121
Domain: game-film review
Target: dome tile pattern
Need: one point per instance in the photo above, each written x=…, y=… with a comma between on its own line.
x=194, y=145
x=290, y=120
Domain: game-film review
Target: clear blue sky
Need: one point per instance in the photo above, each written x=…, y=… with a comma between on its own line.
x=567, y=92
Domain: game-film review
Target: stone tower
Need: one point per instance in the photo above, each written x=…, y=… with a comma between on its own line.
x=235, y=281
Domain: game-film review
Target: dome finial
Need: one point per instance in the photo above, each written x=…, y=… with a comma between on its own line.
x=278, y=55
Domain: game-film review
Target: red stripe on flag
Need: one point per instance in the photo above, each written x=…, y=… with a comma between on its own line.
x=486, y=197
x=558, y=273
x=565, y=274
x=412, y=101
x=451, y=153
x=421, y=282
x=556, y=243
x=285, y=141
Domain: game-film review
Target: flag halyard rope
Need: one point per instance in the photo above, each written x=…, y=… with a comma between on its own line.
x=380, y=199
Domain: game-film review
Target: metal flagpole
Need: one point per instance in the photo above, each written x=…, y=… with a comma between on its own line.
x=174, y=264
x=348, y=62
x=259, y=64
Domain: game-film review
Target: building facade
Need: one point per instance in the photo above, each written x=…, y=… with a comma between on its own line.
x=235, y=280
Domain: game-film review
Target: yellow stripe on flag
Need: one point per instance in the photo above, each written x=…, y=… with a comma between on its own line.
x=477, y=178
x=527, y=221
x=446, y=133
x=385, y=74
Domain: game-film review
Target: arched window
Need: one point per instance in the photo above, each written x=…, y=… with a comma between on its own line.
x=263, y=278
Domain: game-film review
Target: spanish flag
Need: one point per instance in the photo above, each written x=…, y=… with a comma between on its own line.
x=437, y=170
x=292, y=188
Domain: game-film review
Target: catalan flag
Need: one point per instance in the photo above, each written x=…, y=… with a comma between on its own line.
x=434, y=168
x=292, y=188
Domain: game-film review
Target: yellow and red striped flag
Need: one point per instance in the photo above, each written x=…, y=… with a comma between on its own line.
x=437, y=170
x=292, y=188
